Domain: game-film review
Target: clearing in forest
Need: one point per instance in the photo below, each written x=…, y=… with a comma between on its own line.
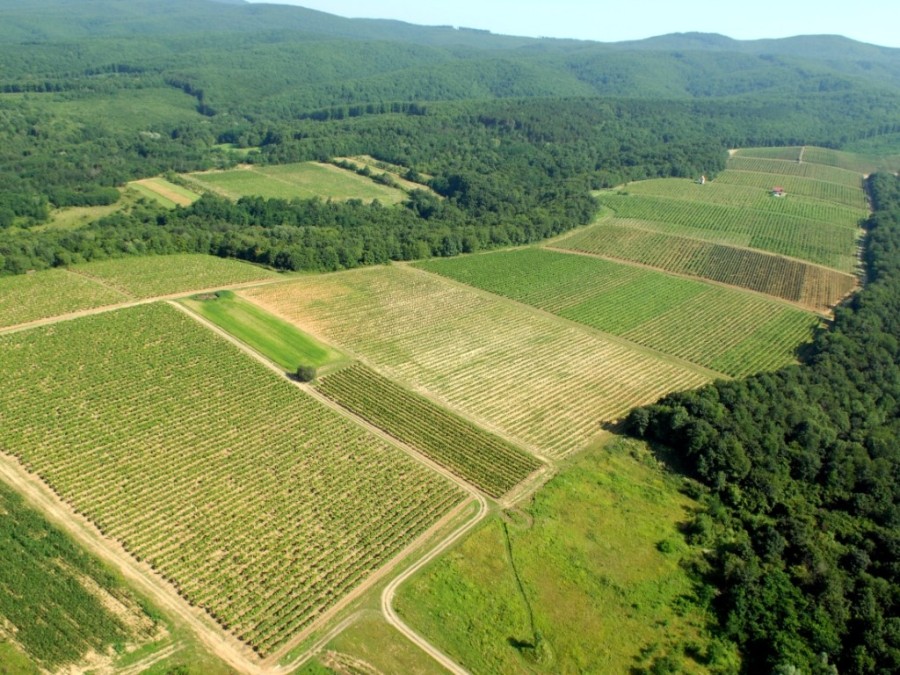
x=726, y=330
x=165, y=192
x=542, y=382
x=262, y=506
x=484, y=459
x=301, y=181
x=153, y=276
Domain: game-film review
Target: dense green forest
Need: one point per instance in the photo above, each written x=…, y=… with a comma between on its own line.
x=801, y=470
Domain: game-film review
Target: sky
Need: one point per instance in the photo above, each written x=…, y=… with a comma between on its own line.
x=873, y=21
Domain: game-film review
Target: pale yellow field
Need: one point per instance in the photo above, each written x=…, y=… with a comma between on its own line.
x=537, y=379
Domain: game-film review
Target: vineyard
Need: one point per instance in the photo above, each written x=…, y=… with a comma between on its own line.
x=788, y=154
x=60, y=603
x=688, y=319
x=545, y=384
x=822, y=172
x=753, y=197
x=260, y=505
x=812, y=286
x=295, y=181
x=483, y=459
x=29, y=297
x=152, y=276
x=825, y=244
x=853, y=197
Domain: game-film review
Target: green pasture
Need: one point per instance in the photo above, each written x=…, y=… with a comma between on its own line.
x=296, y=181
x=272, y=337
x=588, y=577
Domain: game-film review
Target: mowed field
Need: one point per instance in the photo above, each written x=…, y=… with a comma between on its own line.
x=302, y=181
x=801, y=247
x=166, y=193
x=726, y=330
x=258, y=503
x=545, y=384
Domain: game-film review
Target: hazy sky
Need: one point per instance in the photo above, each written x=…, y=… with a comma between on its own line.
x=875, y=21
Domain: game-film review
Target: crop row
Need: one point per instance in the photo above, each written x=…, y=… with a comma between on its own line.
x=757, y=198
x=791, y=153
x=152, y=276
x=829, y=174
x=482, y=458
x=685, y=318
x=853, y=197
x=28, y=297
x=256, y=502
x=545, y=384
x=815, y=287
x=829, y=245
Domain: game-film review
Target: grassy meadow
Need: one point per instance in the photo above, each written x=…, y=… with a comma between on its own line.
x=278, y=340
x=588, y=577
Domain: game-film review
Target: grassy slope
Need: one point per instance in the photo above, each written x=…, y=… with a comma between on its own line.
x=603, y=594
x=302, y=181
x=276, y=339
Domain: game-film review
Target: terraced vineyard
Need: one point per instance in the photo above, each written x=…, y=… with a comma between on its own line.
x=482, y=458
x=258, y=503
x=152, y=276
x=547, y=385
x=810, y=285
x=825, y=244
x=29, y=297
x=719, y=328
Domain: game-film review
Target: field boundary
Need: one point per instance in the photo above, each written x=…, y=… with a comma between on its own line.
x=706, y=280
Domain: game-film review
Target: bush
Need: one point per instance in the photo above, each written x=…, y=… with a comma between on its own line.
x=306, y=373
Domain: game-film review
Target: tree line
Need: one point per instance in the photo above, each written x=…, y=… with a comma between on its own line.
x=800, y=475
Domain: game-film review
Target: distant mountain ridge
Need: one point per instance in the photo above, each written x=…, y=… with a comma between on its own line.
x=222, y=47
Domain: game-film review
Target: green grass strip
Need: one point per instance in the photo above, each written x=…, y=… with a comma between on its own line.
x=272, y=337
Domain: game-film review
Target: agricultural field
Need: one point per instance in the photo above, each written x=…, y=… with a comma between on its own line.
x=722, y=329
x=589, y=577
x=29, y=297
x=812, y=286
x=787, y=154
x=757, y=198
x=259, y=504
x=153, y=276
x=164, y=192
x=825, y=244
x=276, y=339
x=544, y=384
x=777, y=167
x=289, y=181
x=60, y=606
x=858, y=162
x=852, y=197
x=493, y=465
